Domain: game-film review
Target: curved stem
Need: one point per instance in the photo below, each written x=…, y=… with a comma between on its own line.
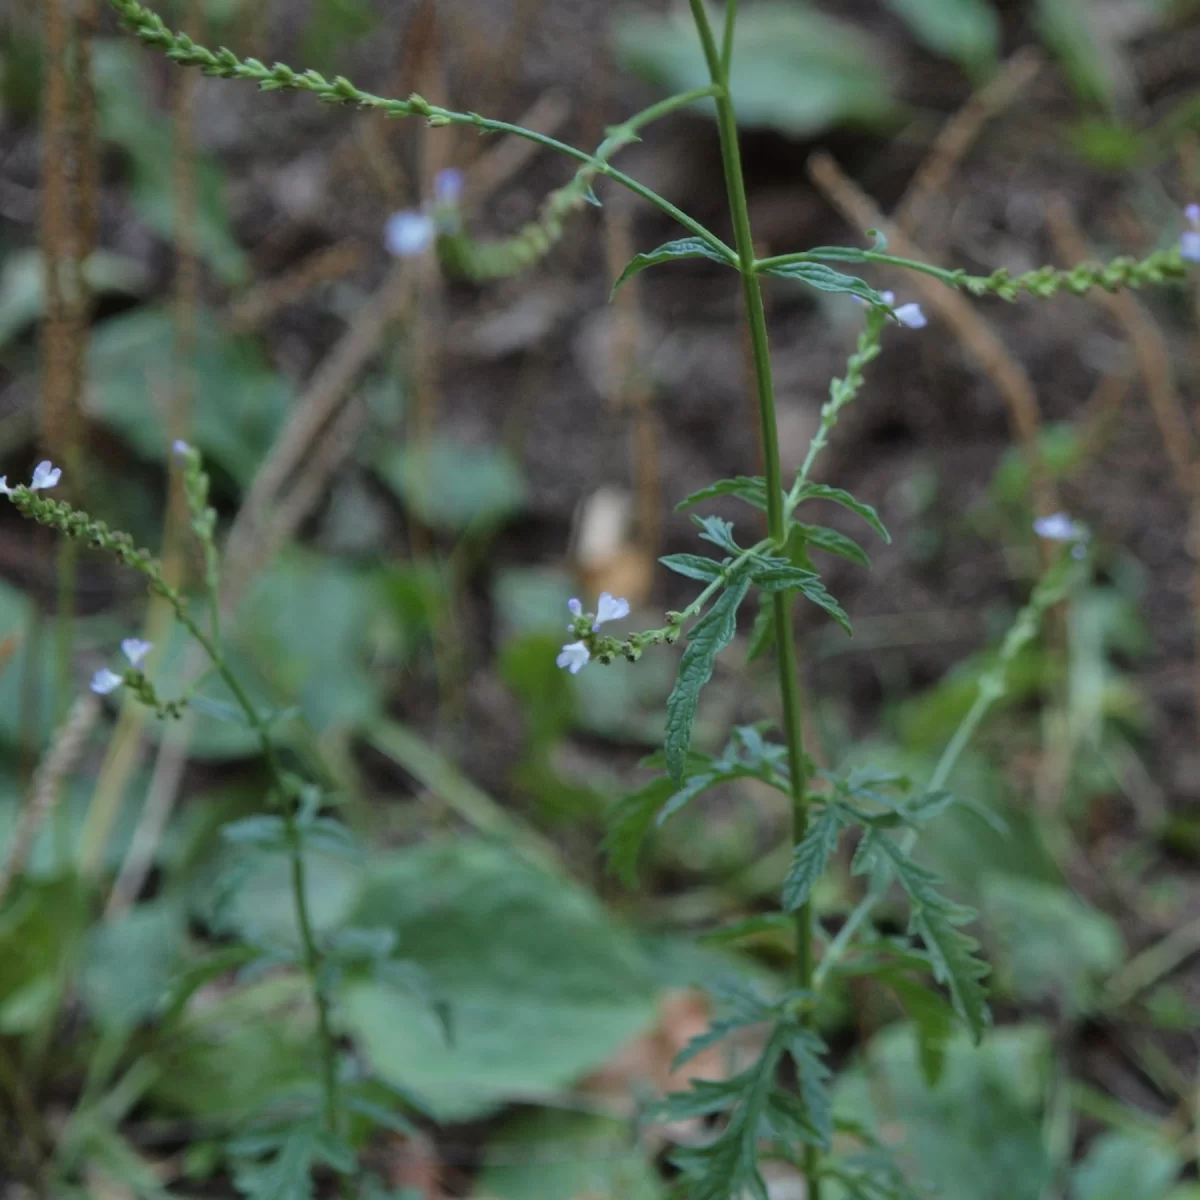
x=718, y=66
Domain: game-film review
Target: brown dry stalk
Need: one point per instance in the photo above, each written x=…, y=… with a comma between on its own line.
x=59, y=415
x=313, y=415
x=1100, y=413
x=971, y=329
x=959, y=134
x=47, y=785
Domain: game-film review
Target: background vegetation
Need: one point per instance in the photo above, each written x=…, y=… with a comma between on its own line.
x=413, y=472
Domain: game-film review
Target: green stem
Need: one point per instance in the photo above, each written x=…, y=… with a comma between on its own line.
x=312, y=955
x=719, y=66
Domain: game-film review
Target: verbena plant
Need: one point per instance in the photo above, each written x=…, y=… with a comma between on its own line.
x=779, y=1106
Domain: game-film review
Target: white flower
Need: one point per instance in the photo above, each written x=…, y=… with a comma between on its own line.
x=408, y=233
x=911, y=315
x=1059, y=528
x=574, y=657
x=1189, y=241
x=105, y=681
x=135, y=650
x=45, y=475
x=5, y=490
x=448, y=187
x=609, y=608
x=181, y=448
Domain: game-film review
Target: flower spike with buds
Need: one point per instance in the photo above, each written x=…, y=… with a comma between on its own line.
x=1189, y=241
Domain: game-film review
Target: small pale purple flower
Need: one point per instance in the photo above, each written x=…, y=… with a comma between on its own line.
x=45, y=475
x=609, y=608
x=909, y=314
x=448, y=187
x=5, y=490
x=135, y=650
x=574, y=657
x=408, y=233
x=1189, y=241
x=576, y=610
x=180, y=448
x=105, y=681
x=1058, y=527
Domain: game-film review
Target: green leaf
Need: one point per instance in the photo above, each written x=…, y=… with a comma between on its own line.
x=811, y=858
x=265, y=832
x=629, y=824
x=762, y=635
x=719, y=532
x=454, y=485
x=752, y=489
x=932, y=1020
x=287, y=1174
x=794, y=68
x=707, y=638
x=693, y=566
x=690, y=247
x=1126, y=1166
x=952, y=953
x=544, y=987
x=806, y=1049
x=967, y=31
x=832, y=542
x=778, y=576
x=822, y=491
x=826, y=279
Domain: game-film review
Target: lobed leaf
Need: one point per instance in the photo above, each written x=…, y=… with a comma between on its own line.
x=708, y=637
x=719, y=532
x=693, y=566
x=811, y=858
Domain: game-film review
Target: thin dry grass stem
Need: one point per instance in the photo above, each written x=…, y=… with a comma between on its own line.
x=972, y=330
x=961, y=132
x=1149, y=349
x=256, y=307
x=633, y=389
x=317, y=409
x=47, y=784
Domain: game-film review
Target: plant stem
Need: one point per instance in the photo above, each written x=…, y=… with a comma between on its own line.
x=308, y=942
x=719, y=67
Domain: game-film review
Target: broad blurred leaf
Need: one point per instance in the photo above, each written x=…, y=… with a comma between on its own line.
x=794, y=69
x=978, y=1133
x=1076, y=31
x=1126, y=1166
x=967, y=31
x=552, y=1155
x=23, y=284
x=451, y=485
x=239, y=401
x=1052, y=944
x=128, y=964
x=542, y=987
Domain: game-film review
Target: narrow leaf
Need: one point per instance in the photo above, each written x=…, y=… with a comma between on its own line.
x=752, y=489
x=762, y=636
x=709, y=636
x=692, y=247
x=693, y=566
x=822, y=491
x=822, y=538
x=811, y=858
x=806, y=1049
x=787, y=578
x=826, y=279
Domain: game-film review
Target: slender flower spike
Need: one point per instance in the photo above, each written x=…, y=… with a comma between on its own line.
x=45, y=475
x=105, y=681
x=609, y=609
x=1189, y=242
x=408, y=234
x=135, y=650
x=1058, y=527
x=574, y=657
